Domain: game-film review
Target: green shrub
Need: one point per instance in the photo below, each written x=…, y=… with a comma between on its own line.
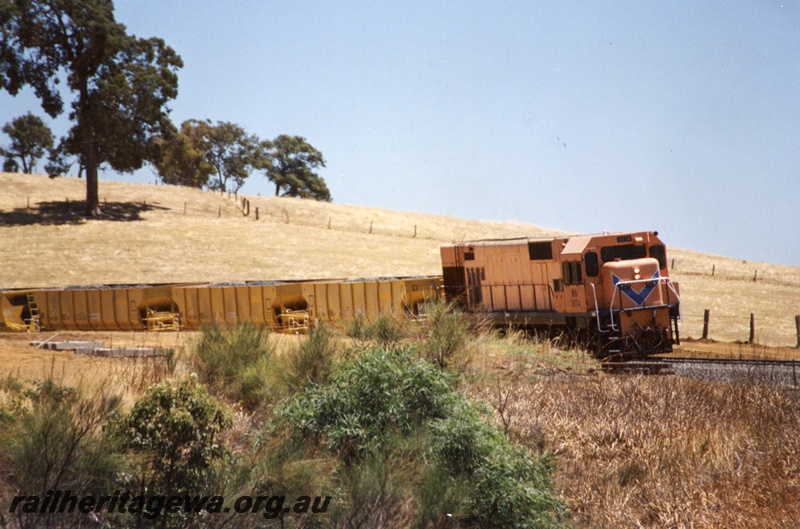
x=388, y=329
x=358, y=328
x=51, y=438
x=405, y=437
x=439, y=495
x=235, y=360
x=378, y=393
x=176, y=429
x=510, y=487
x=311, y=362
x=376, y=492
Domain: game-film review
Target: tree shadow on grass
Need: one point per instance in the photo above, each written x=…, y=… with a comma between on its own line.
x=74, y=212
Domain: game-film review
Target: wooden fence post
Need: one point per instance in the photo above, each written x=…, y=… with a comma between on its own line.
x=256, y=212
x=752, y=328
x=713, y=269
x=755, y=276
x=797, y=325
x=370, y=226
x=415, y=232
x=705, y=324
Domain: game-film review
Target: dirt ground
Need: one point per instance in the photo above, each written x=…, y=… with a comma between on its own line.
x=714, y=349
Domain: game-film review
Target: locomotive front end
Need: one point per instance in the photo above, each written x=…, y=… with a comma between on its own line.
x=643, y=307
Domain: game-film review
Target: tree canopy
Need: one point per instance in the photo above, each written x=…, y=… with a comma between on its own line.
x=201, y=149
x=121, y=83
x=191, y=156
x=180, y=157
x=233, y=153
x=292, y=164
x=31, y=139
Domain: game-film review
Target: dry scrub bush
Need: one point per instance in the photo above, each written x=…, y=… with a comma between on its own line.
x=445, y=340
x=668, y=452
x=311, y=361
x=386, y=329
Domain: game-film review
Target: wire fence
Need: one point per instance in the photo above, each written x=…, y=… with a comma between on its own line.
x=742, y=321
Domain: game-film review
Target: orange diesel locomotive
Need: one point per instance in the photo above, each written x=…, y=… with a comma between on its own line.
x=612, y=289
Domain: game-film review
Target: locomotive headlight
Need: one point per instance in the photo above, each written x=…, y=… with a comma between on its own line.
x=636, y=273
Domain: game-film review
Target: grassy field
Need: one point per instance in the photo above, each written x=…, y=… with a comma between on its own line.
x=158, y=234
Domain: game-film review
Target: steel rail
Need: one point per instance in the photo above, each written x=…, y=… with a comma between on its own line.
x=725, y=361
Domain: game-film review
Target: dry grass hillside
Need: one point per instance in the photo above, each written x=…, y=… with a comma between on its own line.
x=159, y=234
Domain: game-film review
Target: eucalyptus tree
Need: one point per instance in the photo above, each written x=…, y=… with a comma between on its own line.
x=120, y=83
x=291, y=165
x=233, y=153
x=181, y=155
x=219, y=156
x=31, y=140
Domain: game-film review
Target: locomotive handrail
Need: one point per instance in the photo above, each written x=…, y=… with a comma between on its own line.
x=597, y=309
x=620, y=284
x=677, y=296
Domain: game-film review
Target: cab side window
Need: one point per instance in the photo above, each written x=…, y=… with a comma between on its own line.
x=657, y=252
x=592, y=264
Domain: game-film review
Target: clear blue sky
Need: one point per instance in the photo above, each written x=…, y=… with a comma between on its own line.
x=683, y=117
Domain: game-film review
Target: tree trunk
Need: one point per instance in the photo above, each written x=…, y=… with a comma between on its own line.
x=89, y=160
x=92, y=195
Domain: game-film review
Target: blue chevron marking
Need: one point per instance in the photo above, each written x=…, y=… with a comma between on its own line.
x=637, y=297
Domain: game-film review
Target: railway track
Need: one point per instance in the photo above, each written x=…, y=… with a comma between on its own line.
x=755, y=370
x=729, y=361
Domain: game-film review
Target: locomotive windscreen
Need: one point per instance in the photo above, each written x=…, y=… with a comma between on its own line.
x=623, y=253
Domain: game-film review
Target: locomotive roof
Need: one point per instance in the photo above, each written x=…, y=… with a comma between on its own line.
x=587, y=237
